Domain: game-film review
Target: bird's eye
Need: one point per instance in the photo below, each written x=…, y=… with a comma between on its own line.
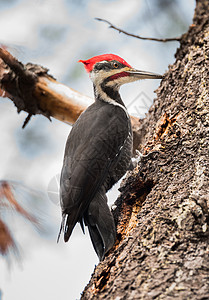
x=116, y=65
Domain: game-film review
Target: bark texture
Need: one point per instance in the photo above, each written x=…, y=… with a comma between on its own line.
x=162, y=217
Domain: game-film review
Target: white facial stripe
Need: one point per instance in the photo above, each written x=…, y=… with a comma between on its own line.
x=99, y=77
x=104, y=96
x=122, y=80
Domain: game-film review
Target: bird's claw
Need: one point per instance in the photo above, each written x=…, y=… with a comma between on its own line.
x=140, y=156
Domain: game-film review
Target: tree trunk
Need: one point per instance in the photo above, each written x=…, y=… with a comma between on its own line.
x=162, y=249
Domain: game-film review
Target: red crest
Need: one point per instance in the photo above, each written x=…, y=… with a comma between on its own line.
x=89, y=63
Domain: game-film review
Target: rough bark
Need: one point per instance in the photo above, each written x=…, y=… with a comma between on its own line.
x=162, y=216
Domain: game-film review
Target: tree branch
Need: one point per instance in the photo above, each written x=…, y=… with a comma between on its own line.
x=33, y=90
x=137, y=36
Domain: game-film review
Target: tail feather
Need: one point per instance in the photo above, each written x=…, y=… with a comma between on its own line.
x=97, y=241
x=61, y=228
x=82, y=225
x=67, y=225
x=101, y=225
x=99, y=220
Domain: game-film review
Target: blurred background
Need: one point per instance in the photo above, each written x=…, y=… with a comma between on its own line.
x=56, y=34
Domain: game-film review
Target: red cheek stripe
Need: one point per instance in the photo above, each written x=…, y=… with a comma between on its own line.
x=118, y=75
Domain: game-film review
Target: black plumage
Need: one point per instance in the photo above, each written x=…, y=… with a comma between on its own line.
x=97, y=155
x=98, y=152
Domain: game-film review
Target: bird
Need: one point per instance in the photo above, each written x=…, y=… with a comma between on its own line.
x=98, y=152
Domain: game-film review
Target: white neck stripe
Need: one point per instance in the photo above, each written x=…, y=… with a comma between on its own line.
x=104, y=97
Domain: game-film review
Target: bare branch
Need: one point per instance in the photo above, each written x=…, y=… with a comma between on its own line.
x=137, y=36
x=33, y=90
x=43, y=95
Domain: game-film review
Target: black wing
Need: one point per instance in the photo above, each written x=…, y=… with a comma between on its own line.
x=92, y=147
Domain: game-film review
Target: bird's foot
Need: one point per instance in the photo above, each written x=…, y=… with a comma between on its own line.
x=139, y=156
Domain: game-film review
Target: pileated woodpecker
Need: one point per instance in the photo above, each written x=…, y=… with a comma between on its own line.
x=98, y=152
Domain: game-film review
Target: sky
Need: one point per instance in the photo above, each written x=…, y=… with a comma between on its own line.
x=56, y=34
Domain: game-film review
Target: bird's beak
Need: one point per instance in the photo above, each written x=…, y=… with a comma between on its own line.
x=137, y=74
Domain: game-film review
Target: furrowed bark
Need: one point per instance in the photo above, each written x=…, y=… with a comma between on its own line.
x=162, y=216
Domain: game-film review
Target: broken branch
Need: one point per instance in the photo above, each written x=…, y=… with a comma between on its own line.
x=33, y=90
